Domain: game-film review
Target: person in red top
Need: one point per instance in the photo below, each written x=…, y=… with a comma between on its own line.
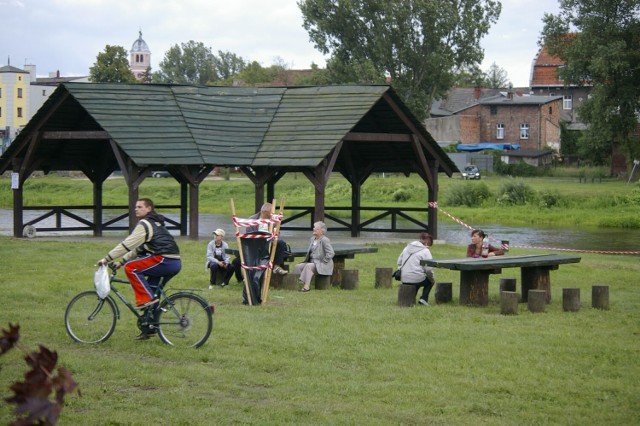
x=475, y=248
x=150, y=255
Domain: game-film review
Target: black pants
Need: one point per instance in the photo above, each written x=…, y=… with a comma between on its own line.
x=426, y=285
x=227, y=273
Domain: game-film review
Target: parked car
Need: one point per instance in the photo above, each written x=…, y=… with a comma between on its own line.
x=160, y=174
x=471, y=172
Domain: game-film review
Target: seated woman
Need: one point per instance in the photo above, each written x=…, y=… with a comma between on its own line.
x=319, y=257
x=411, y=272
x=218, y=260
x=475, y=248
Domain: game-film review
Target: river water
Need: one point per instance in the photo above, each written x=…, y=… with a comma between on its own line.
x=548, y=237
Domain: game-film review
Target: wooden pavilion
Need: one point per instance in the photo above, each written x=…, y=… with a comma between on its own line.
x=97, y=129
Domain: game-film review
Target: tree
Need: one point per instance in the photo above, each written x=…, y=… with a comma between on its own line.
x=227, y=64
x=496, y=77
x=599, y=42
x=418, y=44
x=190, y=63
x=111, y=66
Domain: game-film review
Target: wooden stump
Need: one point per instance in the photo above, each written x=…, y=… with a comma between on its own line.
x=407, y=295
x=571, y=299
x=322, y=282
x=474, y=288
x=507, y=284
x=600, y=297
x=349, y=279
x=509, y=303
x=444, y=293
x=383, y=278
x=536, y=300
x=288, y=282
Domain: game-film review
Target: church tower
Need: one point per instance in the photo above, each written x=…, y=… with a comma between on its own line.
x=140, y=59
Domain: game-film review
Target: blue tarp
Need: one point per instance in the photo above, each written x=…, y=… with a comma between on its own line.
x=483, y=146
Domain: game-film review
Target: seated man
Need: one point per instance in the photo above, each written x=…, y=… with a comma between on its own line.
x=218, y=260
x=281, y=246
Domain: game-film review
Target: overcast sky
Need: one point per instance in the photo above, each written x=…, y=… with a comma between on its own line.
x=67, y=35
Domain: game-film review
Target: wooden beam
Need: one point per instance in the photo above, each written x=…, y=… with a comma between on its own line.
x=377, y=137
x=422, y=161
x=99, y=134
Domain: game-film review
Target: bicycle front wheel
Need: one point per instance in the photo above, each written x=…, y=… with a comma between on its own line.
x=89, y=319
x=184, y=320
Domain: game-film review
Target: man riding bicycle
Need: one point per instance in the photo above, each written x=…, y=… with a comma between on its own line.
x=150, y=254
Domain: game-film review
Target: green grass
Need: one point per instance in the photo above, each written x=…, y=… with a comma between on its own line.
x=335, y=356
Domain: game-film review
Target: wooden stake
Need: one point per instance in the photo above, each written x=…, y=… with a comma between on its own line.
x=244, y=271
x=274, y=243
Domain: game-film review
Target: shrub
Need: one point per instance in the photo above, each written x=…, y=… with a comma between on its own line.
x=548, y=199
x=401, y=195
x=515, y=192
x=468, y=194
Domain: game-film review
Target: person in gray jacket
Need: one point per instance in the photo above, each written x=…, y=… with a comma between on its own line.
x=412, y=273
x=319, y=258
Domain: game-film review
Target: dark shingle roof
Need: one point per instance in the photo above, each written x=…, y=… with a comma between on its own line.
x=161, y=125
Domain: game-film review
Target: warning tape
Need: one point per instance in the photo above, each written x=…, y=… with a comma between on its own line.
x=505, y=245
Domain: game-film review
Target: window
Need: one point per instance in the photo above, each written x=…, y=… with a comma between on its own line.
x=550, y=110
x=19, y=92
x=0, y=111
x=19, y=112
x=500, y=131
x=0, y=92
x=524, y=131
x=493, y=109
x=44, y=92
x=567, y=102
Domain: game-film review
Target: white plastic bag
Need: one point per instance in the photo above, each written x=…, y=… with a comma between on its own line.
x=102, y=282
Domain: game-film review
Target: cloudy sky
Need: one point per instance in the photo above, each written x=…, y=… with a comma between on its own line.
x=67, y=35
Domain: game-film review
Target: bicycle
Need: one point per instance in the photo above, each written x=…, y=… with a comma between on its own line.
x=181, y=319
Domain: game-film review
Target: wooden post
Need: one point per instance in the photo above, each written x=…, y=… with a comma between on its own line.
x=244, y=272
x=600, y=297
x=571, y=299
x=444, y=293
x=536, y=278
x=407, y=295
x=349, y=279
x=272, y=251
x=286, y=282
x=322, y=282
x=383, y=278
x=536, y=300
x=507, y=284
x=509, y=303
x=474, y=288
x=338, y=267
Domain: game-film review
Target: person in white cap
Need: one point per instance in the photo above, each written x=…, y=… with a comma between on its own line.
x=218, y=259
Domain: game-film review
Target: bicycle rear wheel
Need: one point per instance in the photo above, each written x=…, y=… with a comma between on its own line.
x=89, y=319
x=184, y=320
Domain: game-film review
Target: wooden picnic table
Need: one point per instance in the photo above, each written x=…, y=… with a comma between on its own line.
x=474, y=273
x=342, y=252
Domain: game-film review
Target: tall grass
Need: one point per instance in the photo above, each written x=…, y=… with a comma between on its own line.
x=335, y=356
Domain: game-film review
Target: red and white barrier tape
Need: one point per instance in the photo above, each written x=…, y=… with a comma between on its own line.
x=275, y=218
x=505, y=245
x=255, y=268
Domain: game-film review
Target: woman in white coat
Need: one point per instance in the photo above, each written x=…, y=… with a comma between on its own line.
x=412, y=273
x=319, y=257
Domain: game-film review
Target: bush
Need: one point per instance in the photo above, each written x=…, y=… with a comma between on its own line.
x=515, y=193
x=517, y=170
x=468, y=194
x=548, y=199
x=401, y=195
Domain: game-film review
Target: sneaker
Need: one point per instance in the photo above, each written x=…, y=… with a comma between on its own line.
x=278, y=270
x=423, y=302
x=210, y=286
x=145, y=336
x=305, y=290
x=146, y=305
x=224, y=284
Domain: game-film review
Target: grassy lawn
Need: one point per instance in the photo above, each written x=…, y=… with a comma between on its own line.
x=335, y=356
